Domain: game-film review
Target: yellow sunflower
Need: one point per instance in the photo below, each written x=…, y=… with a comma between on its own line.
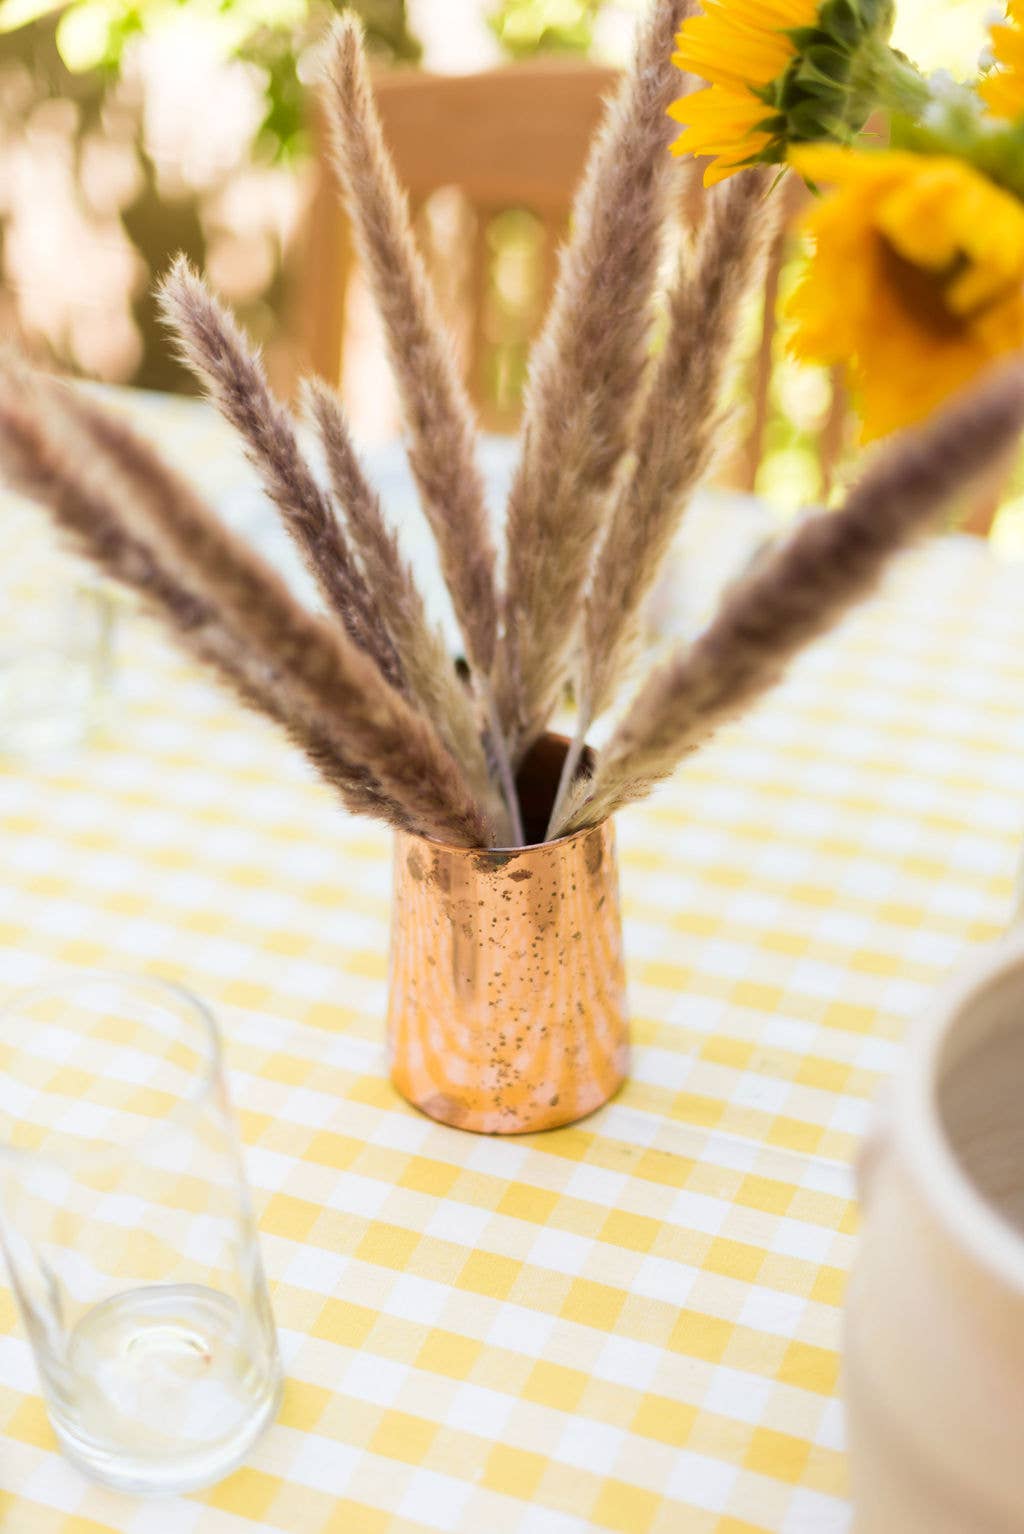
x=1003, y=89
x=782, y=72
x=741, y=48
x=916, y=278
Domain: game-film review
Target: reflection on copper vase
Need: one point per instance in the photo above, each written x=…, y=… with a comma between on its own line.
x=507, y=995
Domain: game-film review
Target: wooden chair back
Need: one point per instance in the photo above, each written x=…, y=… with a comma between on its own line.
x=513, y=138
x=509, y=138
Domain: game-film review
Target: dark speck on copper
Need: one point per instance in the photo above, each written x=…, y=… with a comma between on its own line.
x=414, y=863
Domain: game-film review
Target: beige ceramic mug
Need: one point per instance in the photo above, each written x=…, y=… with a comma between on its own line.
x=934, y=1332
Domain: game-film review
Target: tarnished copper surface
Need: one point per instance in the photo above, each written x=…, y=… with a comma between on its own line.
x=507, y=1003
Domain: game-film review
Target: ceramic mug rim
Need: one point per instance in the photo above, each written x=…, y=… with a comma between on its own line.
x=970, y=1218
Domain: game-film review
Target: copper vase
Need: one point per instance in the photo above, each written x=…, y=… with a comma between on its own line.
x=507, y=993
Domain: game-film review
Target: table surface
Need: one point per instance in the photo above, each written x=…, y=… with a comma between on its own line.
x=629, y=1325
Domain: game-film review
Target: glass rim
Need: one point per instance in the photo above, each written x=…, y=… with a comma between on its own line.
x=211, y=1065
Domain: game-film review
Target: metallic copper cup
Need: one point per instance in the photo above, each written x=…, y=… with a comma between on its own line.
x=507, y=1007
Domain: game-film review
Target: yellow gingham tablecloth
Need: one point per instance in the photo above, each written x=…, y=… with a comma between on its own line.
x=630, y=1325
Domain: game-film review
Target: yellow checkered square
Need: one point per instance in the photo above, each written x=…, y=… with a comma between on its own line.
x=625, y=1508
x=777, y=1454
x=402, y=1436
x=248, y=1493
x=448, y=1353
x=488, y=1273
x=555, y=1385
x=516, y=1472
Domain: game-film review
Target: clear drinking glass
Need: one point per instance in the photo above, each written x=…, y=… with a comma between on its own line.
x=129, y=1236
x=58, y=627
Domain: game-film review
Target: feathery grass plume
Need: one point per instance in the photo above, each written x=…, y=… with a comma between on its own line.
x=38, y=457
x=830, y=562
x=419, y=644
x=678, y=428
x=261, y=689
x=437, y=412
x=337, y=681
x=398, y=745
x=434, y=403
x=586, y=371
x=213, y=348
x=674, y=442
x=266, y=691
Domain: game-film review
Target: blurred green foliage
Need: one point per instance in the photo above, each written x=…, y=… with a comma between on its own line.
x=77, y=52
x=527, y=27
x=84, y=53
x=92, y=37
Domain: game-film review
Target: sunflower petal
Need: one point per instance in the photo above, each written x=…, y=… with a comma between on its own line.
x=916, y=279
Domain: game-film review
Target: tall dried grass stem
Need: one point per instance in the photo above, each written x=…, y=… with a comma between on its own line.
x=586, y=373
x=503, y=764
x=829, y=563
x=213, y=347
x=678, y=427
x=337, y=680
x=419, y=643
x=40, y=457
x=437, y=412
x=677, y=431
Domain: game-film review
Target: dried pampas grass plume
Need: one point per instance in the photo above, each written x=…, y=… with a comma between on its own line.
x=678, y=429
x=41, y=456
x=419, y=644
x=213, y=348
x=586, y=371
x=438, y=415
x=312, y=659
x=674, y=443
x=829, y=563
x=437, y=412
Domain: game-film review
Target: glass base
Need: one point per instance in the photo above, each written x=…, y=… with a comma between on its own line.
x=165, y=1396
